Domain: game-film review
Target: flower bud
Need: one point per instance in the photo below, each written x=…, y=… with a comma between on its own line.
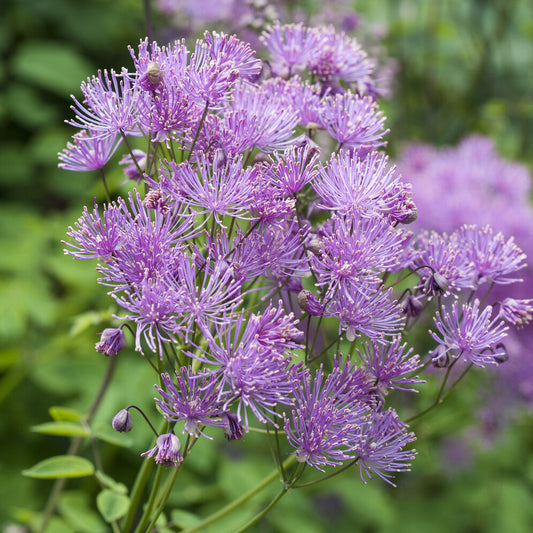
x=436, y=284
x=441, y=357
x=500, y=353
x=122, y=421
x=233, y=429
x=309, y=303
x=112, y=340
x=412, y=306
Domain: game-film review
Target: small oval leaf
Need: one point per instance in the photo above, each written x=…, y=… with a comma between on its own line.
x=111, y=505
x=60, y=466
x=62, y=429
x=109, y=483
x=64, y=414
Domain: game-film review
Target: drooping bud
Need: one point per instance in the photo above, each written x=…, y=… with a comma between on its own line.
x=112, y=340
x=441, y=357
x=134, y=169
x=436, y=284
x=122, y=421
x=233, y=429
x=309, y=303
x=412, y=306
x=500, y=353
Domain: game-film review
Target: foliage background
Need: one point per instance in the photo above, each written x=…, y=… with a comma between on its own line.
x=463, y=67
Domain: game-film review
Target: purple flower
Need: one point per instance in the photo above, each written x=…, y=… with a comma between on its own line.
x=216, y=64
x=446, y=257
x=112, y=340
x=339, y=57
x=194, y=400
x=469, y=331
x=254, y=372
x=160, y=64
x=166, y=450
x=516, y=312
x=253, y=120
x=391, y=365
x=109, y=106
x=291, y=47
x=494, y=259
x=217, y=187
x=88, y=152
x=156, y=306
x=372, y=314
x=207, y=294
x=327, y=410
x=168, y=113
x=94, y=236
x=353, y=183
x=354, y=253
x=379, y=445
x=229, y=52
x=294, y=169
x=353, y=121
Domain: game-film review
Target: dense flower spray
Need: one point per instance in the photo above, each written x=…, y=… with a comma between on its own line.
x=258, y=260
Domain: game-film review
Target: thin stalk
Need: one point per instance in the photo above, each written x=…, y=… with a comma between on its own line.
x=151, y=500
x=235, y=504
x=107, y=195
x=60, y=483
x=284, y=490
x=139, y=485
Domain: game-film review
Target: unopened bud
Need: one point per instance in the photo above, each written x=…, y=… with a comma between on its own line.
x=122, y=421
x=233, y=429
x=436, y=284
x=441, y=357
x=500, y=354
x=112, y=340
x=412, y=306
x=309, y=303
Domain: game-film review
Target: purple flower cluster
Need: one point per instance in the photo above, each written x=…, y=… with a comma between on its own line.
x=481, y=188
x=256, y=249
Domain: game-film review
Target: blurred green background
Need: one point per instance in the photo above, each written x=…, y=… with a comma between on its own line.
x=464, y=66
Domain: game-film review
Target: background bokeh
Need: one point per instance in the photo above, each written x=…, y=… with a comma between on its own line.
x=461, y=67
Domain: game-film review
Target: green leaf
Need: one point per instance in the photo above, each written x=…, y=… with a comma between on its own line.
x=62, y=428
x=184, y=519
x=110, y=483
x=67, y=466
x=76, y=508
x=66, y=414
x=111, y=505
x=50, y=65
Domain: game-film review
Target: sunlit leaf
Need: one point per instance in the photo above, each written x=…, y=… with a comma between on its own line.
x=67, y=466
x=62, y=429
x=111, y=505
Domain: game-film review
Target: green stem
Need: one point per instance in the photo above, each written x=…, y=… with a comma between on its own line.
x=286, y=487
x=139, y=485
x=59, y=484
x=149, y=506
x=241, y=499
x=107, y=195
